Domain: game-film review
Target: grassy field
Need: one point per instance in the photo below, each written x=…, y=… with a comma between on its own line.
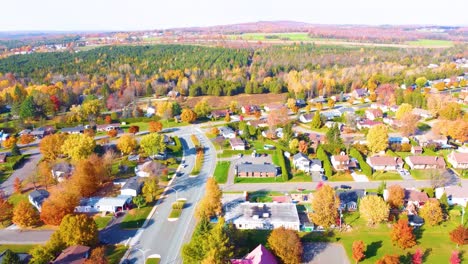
x=301, y=177
x=420, y=174
x=221, y=171
x=431, y=43
x=114, y=253
x=136, y=217
x=102, y=221
x=17, y=248
x=385, y=176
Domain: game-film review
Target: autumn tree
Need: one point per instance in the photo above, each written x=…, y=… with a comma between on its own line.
x=98, y=256
x=43, y=174
x=409, y=124
x=188, y=116
x=377, y=138
x=9, y=257
x=402, y=234
x=91, y=109
x=417, y=257
x=24, y=215
x=50, y=146
x=127, y=144
x=277, y=117
x=316, y=121
x=78, y=146
x=455, y=257
x=359, y=249
x=153, y=144
x=220, y=248
x=151, y=188
x=227, y=118
x=133, y=129
x=421, y=82
x=112, y=133
x=286, y=245
x=325, y=206
x=202, y=108
x=403, y=110
x=373, y=209
x=9, y=142
x=451, y=111
x=78, y=230
x=88, y=176
x=6, y=211
x=59, y=204
x=26, y=139
x=303, y=147
x=459, y=235
x=389, y=259
x=432, y=212
x=17, y=185
x=155, y=126
x=396, y=196
x=210, y=205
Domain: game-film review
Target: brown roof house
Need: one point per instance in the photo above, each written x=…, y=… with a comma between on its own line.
x=412, y=196
x=458, y=160
x=256, y=170
x=425, y=162
x=385, y=163
x=73, y=255
x=373, y=114
x=342, y=162
x=237, y=144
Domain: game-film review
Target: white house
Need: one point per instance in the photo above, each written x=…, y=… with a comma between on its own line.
x=306, y=118
x=104, y=204
x=385, y=163
x=458, y=160
x=132, y=187
x=237, y=144
x=150, y=111
x=330, y=114
x=373, y=114
x=455, y=194
x=425, y=162
x=37, y=197
x=227, y=132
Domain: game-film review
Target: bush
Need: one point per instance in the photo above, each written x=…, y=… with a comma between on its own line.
x=322, y=155
x=282, y=164
x=179, y=205
x=177, y=147
x=366, y=169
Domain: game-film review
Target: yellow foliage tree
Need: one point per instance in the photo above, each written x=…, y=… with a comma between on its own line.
x=78, y=146
x=127, y=143
x=377, y=138
x=24, y=215
x=325, y=206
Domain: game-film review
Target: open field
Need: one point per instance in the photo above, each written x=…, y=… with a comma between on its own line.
x=223, y=102
x=430, y=43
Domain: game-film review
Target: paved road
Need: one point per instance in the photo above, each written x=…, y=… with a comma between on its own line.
x=24, y=171
x=166, y=238
x=24, y=236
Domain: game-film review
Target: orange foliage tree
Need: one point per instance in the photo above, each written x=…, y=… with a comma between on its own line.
x=359, y=248
x=396, y=196
x=155, y=126
x=26, y=139
x=459, y=235
x=58, y=205
x=402, y=234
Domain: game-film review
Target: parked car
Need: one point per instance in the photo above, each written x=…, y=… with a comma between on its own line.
x=324, y=178
x=346, y=187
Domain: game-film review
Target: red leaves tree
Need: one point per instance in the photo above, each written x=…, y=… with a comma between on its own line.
x=108, y=119
x=133, y=129
x=112, y=133
x=459, y=235
x=402, y=234
x=303, y=147
x=26, y=139
x=98, y=256
x=417, y=257
x=455, y=258
x=17, y=185
x=155, y=126
x=359, y=248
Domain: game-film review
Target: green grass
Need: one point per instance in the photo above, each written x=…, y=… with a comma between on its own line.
x=102, y=221
x=221, y=171
x=420, y=174
x=17, y=197
x=114, y=253
x=258, y=180
x=152, y=261
x=385, y=176
x=17, y=248
x=431, y=43
x=341, y=177
x=301, y=177
x=136, y=217
x=177, y=208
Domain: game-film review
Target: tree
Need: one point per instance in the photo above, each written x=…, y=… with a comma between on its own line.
x=127, y=144
x=196, y=250
x=26, y=139
x=359, y=249
x=389, y=259
x=417, y=257
x=403, y=110
x=111, y=133
x=286, y=245
x=98, y=256
x=402, y=234
x=293, y=145
x=88, y=176
x=153, y=144
x=377, y=138
x=6, y=211
x=374, y=209
x=316, y=121
x=9, y=142
x=78, y=230
x=455, y=257
x=409, y=124
x=15, y=150
x=334, y=141
x=227, y=118
x=91, y=108
x=155, y=126
x=24, y=215
x=331, y=103
x=139, y=201
x=9, y=257
x=60, y=203
x=451, y=111
x=150, y=189
x=219, y=245
x=303, y=147
x=149, y=90
x=421, y=82
x=459, y=235
x=188, y=116
x=432, y=212
x=17, y=185
x=44, y=176
x=28, y=108
x=210, y=205
x=41, y=255
x=396, y=196
x=49, y=146
x=78, y=146
x=325, y=206
x=133, y=129
x=277, y=117
x=202, y=108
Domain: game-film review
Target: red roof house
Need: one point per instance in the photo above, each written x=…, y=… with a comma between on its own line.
x=260, y=255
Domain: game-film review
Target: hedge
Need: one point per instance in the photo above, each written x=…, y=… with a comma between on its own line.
x=322, y=155
x=177, y=147
x=366, y=169
x=282, y=163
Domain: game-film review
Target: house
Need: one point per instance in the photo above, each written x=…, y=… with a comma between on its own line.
x=349, y=199
x=227, y=132
x=382, y=107
x=148, y=168
x=250, y=109
x=367, y=124
x=425, y=162
x=331, y=124
x=458, y=160
x=258, y=123
x=264, y=216
x=77, y=254
x=150, y=111
x=237, y=144
x=416, y=150
x=62, y=171
x=330, y=114
x=306, y=118
x=346, y=110
x=455, y=194
x=260, y=255
x=218, y=113
x=358, y=93
x=415, y=197
x=113, y=204
x=256, y=170
x=431, y=138
x=73, y=130
x=132, y=187
x=107, y=127
x=300, y=103
x=3, y=158
x=385, y=163
x=342, y=162
x=37, y=198
x=272, y=107
x=173, y=94
x=373, y=114
x=422, y=113
x=303, y=163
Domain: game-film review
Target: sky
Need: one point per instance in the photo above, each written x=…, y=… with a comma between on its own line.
x=121, y=15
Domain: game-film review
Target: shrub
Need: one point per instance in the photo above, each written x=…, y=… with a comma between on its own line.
x=282, y=164
x=322, y=155
x=366, y=169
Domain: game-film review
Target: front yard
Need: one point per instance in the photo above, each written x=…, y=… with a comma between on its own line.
x=114, y=253
x=136, y=217
x=420, y=174
x=341, y=176
x=221, y=171
x=385, y=176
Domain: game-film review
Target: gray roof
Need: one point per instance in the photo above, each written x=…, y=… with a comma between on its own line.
x=120, y=200
x=263, y=212
x=226, y=130
x=132, y=184
x=315, y=162
x=346, y=109
x=246, y=167
x=347, y=196
x=39, y=194
x=73, y=129
x=300, y=155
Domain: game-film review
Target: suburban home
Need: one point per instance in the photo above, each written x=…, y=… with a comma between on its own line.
x=237, y=144
x=258, y=123
x=272, y=107
x=77, y=254
x=315, y=139
x=107, y=127
x=358, y=93
x=415, y=197
x=73, y=130
x=346, y=110
x=425, y=162
x=264, y=216
x=256, y=170
x=373, y=114
x=148, y=168
x=132, y=187
x=303, y=163
x=385, y=163
x=306, y=118
x=416, y=150
x=218, y=113
x=455, y=194
x=37, y=198
x=330, y=114
x=150, y=111
x=173, y=94
x=422, y=113
x=250, y=109
x=367, y=124
x=3, y=158
x=331, y=124
x=382, y=107
x=431, y=138
x=458, y=160
x=62, y=171
x=260, y=255
x=104, y=204
x=349, y=199
x=342, y=162
x=227, y=132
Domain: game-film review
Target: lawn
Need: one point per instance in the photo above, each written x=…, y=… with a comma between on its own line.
x=177, y=208
x=130, y=172
x=152, y=261
x=221, y=171
x=114, y=253
x=430, y=43
x=17, y=197
x=385, y=176
x=420, y=174
x=102, y=221
x=17, y=248
x=341, y=177
x=136, y=217
x=259, y=180
x=301, y=177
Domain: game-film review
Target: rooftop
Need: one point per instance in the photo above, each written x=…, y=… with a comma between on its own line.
x=427, y=160
x=385, y=161
x=263, y=212
x=248, y=167
x=415, y=195
x=260, y=255
x=73, y=255
x=132, y=183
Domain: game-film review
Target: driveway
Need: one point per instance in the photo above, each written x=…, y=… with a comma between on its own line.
x=320, y=252
x=359, y=177
x=26, y=168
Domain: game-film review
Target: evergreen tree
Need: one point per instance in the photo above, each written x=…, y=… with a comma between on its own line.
x=334, y=141
x=149, y=89
x=316, y=121
x=27, y=108
x=15, y=150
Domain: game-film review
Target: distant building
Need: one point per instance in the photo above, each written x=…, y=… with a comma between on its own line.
x=458, y=160
x=358, y=93
x=74, y=130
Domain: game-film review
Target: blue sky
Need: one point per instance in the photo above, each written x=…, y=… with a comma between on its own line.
x=157, y=14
